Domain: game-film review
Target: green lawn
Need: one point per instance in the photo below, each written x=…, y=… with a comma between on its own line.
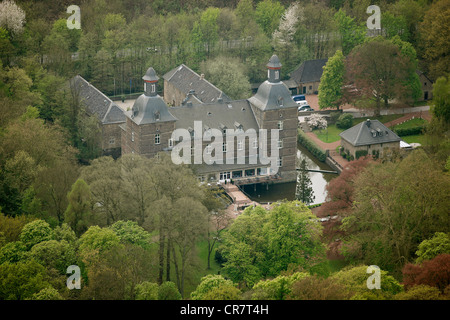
x=411, y=123
x=418, y=138
x=331, y=134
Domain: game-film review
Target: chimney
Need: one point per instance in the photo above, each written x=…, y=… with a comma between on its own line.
x=368, y=122
x=202, y=76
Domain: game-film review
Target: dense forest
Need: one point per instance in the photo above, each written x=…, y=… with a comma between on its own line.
x=143, y=228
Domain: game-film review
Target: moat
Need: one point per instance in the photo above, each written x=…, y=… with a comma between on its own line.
x=282, y=191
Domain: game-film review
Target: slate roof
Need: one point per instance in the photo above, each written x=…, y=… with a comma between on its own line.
x=97, y=103
x=274, y=62
x=309, y=71
x=369, y=132
x=217, y=115
x=272, y=96
x=149, y=109
x=150, y=75
x=185, y=79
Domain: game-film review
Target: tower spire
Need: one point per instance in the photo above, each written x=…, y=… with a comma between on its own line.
x=150, y=81
x=274, y=69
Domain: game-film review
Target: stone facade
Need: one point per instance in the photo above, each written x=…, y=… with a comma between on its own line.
x=111, y=139
x=427, y=86
x=371, y=149
x=172, y=96
x=271, y=108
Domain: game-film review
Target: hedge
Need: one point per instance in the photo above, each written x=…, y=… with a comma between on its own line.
x=409, y=131
x=311, y=146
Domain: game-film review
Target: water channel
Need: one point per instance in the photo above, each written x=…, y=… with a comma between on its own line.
x=286, y=191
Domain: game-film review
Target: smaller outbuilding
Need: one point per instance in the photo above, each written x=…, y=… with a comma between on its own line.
x=369, y=137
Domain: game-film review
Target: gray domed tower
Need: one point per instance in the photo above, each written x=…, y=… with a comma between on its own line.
x=274, y=108
x=149, y=123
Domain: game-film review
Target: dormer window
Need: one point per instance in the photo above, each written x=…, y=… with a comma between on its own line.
x=157, y=116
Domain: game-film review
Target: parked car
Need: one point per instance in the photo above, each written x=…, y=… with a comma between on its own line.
x=305, y=108
x=300, y=100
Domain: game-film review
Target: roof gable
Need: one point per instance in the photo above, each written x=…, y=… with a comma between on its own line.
x=369, y=132
x=96, y=102
x=309, y=71
x=185, y=80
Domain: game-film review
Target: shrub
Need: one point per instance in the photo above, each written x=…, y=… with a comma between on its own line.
x=432, y=273
x=345, y=121
x=310, y=146
x=360, y=153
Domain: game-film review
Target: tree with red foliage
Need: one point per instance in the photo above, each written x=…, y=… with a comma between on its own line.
x=340, y=190
x=434, y=272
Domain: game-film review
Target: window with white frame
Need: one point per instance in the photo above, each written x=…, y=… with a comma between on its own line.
x=170, y=143
x=112, y=140
x=255, y=143
x=280, y=162
x=240, y=145
x=157, y=139
x=280, y=143
x=277, y=74
x=208, y=149
x=132, y=136
x=280, y=125
x=224, y=147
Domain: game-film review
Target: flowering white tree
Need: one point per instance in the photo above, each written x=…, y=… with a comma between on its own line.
x=12, y=17
x=316, y=121
x=285, y=32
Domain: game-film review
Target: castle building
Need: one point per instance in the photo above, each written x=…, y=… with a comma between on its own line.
x=151, y=125
x=107, y=113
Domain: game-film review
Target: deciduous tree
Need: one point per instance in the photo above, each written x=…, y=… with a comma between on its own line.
x=396, y=206
x=331, y=82
x=377, y=69
x=430, y=248
x=434, y=273
x=79, y=212
x=434, y=33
